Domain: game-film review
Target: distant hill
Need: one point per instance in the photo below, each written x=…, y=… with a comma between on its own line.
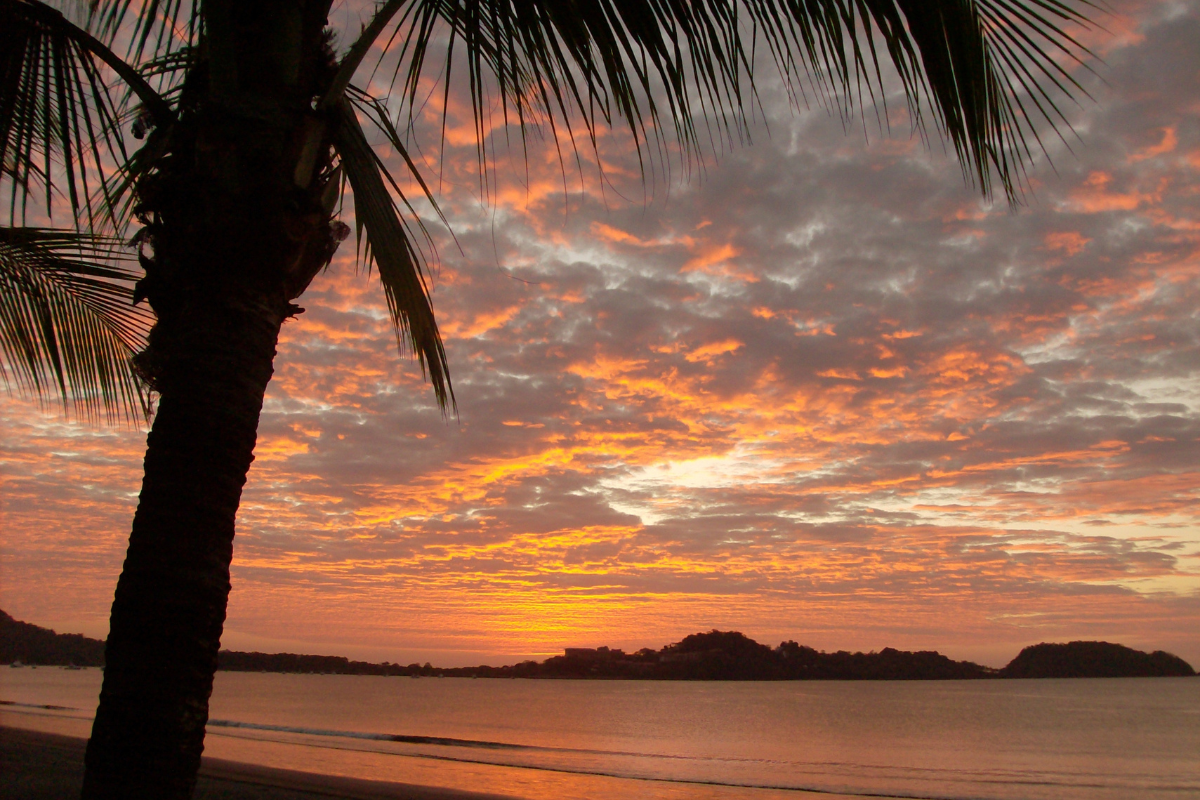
x=712, y=656
x=1094, y=660
x=730, y=655
x=30, y=644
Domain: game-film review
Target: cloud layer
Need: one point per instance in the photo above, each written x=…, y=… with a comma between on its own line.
x=824, y=393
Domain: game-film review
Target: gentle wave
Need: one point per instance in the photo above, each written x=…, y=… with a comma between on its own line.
x=45, y=706
x=601, y=773
x=446, y=741
x=377, y=737
x=834, y=770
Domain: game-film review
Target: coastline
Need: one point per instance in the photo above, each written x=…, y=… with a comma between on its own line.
x=49, y=766
x=715, y=655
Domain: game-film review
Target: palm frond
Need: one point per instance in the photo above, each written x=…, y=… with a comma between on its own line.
x=170, y=70
x=67, y=323
x=158, y=27
x=59, y=124
x=987, y=71
x=386, y=241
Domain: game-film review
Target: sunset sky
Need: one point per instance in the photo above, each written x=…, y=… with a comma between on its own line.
x=815, y=389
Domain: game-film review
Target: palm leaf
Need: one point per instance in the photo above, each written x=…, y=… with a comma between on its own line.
x=59, y=124
x=986, y=70
x=67, y=324
x=387, y=242
x=158, y=26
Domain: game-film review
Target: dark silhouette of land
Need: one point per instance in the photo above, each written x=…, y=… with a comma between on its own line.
x=32, y=644
x=1094, y=660
x=712, y=656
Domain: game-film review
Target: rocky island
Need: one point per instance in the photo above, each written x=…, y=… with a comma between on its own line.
x=1094, y=660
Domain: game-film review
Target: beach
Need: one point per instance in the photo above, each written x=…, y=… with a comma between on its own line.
x=48, y=766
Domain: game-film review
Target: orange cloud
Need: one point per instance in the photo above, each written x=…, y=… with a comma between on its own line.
x=481, y=324
x=1094, y=197
x=719, y=260
x=1167, y=145
x=711, y=350
x=1071, y=242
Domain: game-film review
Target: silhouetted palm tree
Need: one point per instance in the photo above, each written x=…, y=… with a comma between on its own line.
x=251, y=129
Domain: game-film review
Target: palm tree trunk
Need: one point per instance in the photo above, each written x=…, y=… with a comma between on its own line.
x=236, y=217
x=170, y=602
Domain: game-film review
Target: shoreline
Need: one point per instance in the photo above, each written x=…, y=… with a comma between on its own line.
x=49, y=766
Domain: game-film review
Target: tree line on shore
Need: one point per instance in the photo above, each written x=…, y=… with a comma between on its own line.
x=716, y=655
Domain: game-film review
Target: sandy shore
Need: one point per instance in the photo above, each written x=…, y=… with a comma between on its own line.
x=47, y=766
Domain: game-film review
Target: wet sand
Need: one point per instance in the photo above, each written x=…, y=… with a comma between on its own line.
x=48, y=766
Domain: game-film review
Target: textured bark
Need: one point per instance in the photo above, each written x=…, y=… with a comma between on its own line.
x=221, y=282
x=170, y=602
x=233, y=233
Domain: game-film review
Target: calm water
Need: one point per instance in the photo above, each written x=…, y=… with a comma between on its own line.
x=992, y=740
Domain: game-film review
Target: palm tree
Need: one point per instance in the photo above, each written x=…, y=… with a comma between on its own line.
x=251, y=131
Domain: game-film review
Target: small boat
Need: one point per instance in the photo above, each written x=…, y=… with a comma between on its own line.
x=16, y=664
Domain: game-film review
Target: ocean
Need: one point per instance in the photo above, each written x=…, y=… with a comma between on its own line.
x=585, y=740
